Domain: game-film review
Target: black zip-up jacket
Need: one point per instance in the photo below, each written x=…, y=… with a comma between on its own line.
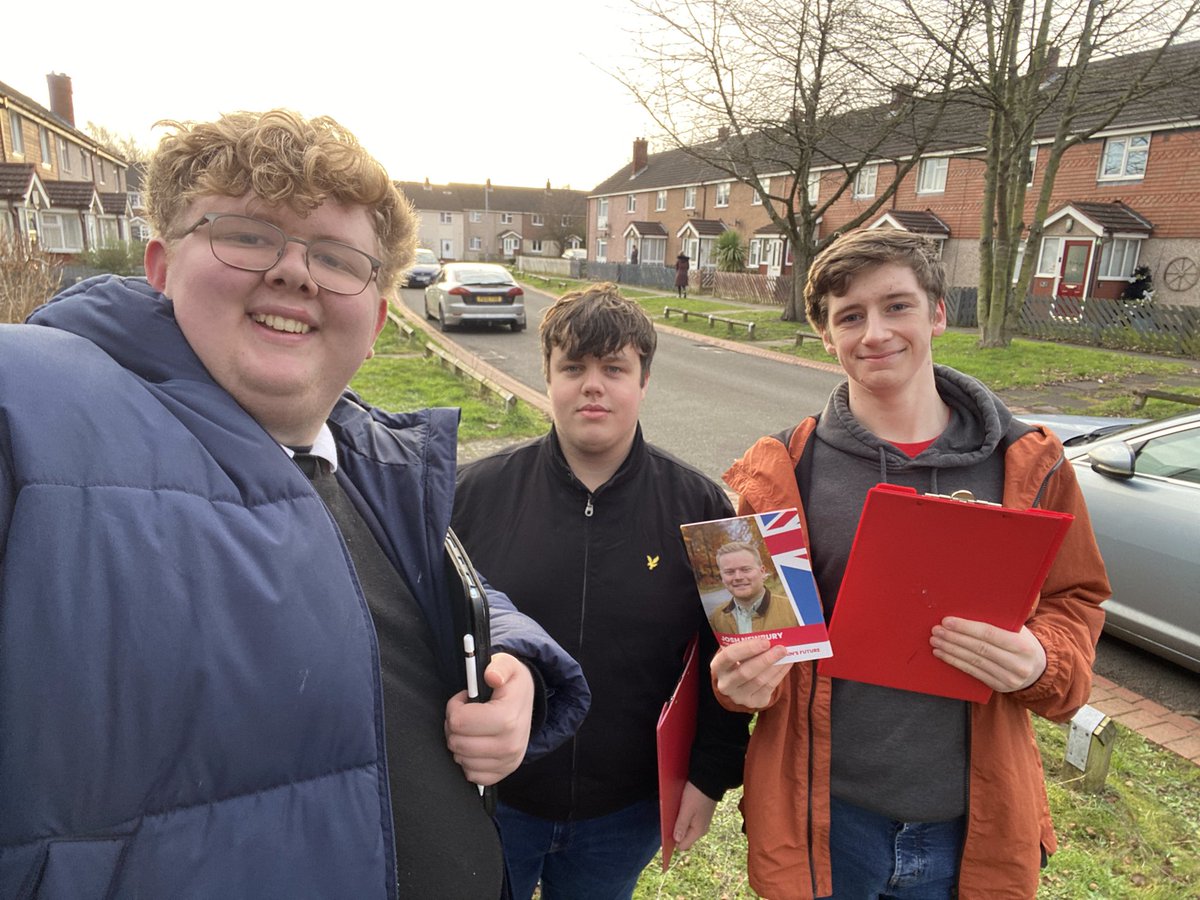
x=606, y=573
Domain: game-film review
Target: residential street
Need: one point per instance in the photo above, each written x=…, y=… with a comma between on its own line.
x=705, y=404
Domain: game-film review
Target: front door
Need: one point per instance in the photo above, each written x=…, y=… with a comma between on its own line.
x=1073, y=276
x=774, y=257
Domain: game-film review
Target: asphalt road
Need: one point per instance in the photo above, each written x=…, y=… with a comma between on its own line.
x=707, y=405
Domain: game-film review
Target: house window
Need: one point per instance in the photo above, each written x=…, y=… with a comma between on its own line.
x=61, y=232
x=85, y=164
x=722, y=194
x=932, y=176
x=1018, y=258
x=654, y=250
x=506, y=218
x=476, y=216
x=660, y=201
x=689, y=198
x=135, y=200
x=601, y=250
x=631, y=203
x=1032, y=164
x=476, y=243
x=64, y=155
x=1125, y=157
x=110, y=234
x=752, y=262
x=565, y=221
x=100, y=168
x=18, y=139
x=1118, y=258
x=446, y=218
x=864, y=181
x=538, y=220
x=814, y=186
x=602, y=213
x=44, y=140
x=536, y=246
x=1048, y=260
x=757, y=199
x=139, y=230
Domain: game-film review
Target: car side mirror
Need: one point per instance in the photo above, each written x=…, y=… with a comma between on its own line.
x=1114, y=460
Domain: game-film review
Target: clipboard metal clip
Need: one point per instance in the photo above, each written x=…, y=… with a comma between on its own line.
x=963, y=496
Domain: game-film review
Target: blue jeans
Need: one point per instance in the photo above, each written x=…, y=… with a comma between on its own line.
x=588, y=859
x=877, y=857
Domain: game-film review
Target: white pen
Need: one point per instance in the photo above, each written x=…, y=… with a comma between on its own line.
x=472, y=679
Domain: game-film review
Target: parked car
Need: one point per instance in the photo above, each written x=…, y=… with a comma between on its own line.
x=475, y=292
x=1142, y=486
x=575, y=253
x=423, y=270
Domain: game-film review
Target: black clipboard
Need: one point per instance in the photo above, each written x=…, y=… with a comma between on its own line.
x=471, y=616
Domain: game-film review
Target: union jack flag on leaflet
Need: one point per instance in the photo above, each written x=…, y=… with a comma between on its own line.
x=754, y=577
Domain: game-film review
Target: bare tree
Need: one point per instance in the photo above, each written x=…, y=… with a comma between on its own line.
x=123, y=146
x=564, y=216
x=28, y=278
x=796, y=88
x=1009, y=67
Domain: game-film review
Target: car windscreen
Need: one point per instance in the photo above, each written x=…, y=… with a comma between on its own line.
x=481, y=276
x=427, y=257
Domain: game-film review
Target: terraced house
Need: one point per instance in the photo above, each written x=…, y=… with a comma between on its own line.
x=59, y=188
x=495, y=222
x=1129, y=196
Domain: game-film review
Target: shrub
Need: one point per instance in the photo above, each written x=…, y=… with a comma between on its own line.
x=28, y=278
x=123, y=259
x=731, y=252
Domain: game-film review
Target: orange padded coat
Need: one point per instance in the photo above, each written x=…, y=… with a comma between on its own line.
x=785, y=805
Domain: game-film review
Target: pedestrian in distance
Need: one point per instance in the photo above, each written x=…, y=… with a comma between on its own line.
x=581, y=528
x=854, y=790
x=228, y=662
x=681, y=274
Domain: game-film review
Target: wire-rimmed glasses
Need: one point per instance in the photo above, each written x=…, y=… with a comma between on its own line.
x=253, y=245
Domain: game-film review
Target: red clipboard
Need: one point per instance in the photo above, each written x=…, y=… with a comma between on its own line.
x=676, y=732
x=917, y=559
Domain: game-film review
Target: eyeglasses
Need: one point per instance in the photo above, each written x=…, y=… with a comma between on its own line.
x=256, y=246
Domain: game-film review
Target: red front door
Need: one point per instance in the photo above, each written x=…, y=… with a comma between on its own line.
x=1072, y=278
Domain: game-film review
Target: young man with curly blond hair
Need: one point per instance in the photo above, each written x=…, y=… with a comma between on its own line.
x=227, y=661
x=856, y=791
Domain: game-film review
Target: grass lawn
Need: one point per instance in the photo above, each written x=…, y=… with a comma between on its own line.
x=1140, y=838
x=400, y=378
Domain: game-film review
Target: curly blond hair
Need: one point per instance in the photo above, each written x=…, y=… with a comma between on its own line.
x=282, y=158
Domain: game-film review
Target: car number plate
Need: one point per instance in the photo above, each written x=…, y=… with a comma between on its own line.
x=489, y=298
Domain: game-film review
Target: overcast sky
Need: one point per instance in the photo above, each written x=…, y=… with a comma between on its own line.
x=452, y=90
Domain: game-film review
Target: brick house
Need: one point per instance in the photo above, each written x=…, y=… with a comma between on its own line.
x=59, y=187
x=1129, y=196
x=493, y=222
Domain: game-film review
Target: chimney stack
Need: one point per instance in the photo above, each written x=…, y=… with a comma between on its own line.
x=901, y=94
x=1052, y=55
x=641, y=154
x=723, y=133
x=62, y=103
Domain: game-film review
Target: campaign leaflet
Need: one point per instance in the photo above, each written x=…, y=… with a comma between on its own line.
x=755, y=580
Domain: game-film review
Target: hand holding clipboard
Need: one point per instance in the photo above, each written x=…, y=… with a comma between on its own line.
x=990, y=568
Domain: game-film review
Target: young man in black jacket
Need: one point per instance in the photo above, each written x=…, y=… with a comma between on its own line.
x=581, y=529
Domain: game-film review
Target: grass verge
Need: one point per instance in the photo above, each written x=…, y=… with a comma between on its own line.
x=401, y=379
x=1136, y=839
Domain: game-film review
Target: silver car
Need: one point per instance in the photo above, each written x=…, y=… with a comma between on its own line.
x=1142, y=486
x=475, y=292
